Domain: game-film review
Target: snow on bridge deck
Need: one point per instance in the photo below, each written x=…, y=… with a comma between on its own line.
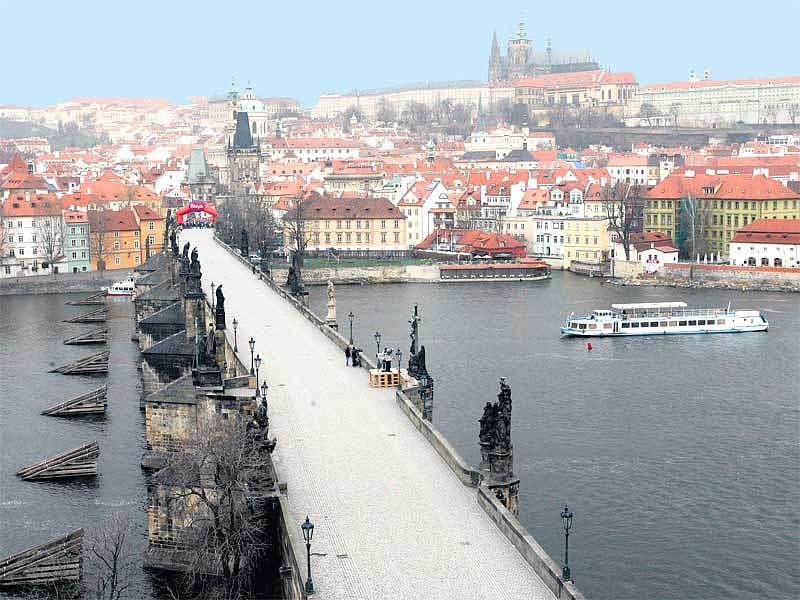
x=391, y=519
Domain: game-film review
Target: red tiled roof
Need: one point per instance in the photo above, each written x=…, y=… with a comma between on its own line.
x=576, y=79
x=709, y=83
x=770, y=231
x=316, y=206
x=31, y=205
x=113, y=220
x=734, y=187
x=146, y=214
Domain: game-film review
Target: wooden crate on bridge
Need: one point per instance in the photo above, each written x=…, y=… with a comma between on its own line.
x=384, y=379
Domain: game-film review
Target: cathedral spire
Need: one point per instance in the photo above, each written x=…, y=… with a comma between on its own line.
x=495, y=46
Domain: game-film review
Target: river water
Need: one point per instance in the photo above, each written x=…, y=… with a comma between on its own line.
x=678, y=455
x=31, y=343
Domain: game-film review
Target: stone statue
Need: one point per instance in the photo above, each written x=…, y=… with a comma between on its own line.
x=330, y=319
x=173, y=240
x=495, y=424
x=147, y=247
x=219, y=309
x=486, y=435
x=185, y=253
x=261, y=415
x=194, y=267
x=244, y=246
x=291, y=279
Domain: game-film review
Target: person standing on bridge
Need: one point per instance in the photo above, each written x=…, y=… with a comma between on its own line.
x=347, y=353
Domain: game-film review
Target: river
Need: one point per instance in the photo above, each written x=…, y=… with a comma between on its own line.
x=31, y=335
x=678, y=455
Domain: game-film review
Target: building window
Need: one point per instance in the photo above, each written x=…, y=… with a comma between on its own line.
x=74, y=255
x=116, y=260
x=136, y=244
x=347, y=237
x=383, y=224
x=396, y=224
x=83, y=254
x=396, y=236
x=151, y=226
x=116, y=245
x=116, y=234
x=383, y=238
x=338, y=237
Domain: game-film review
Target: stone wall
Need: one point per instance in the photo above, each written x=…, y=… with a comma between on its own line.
x=627, y=268
x=729, y=276
x=377, y=274
x=62, y=283
x=544, y=566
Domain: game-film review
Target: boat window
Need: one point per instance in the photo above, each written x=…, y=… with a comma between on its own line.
x=710, y=322
x=607, y=325
x=653, y=323
x=645, y=324
x=626, y=325
x=582, y=326
x=573, y=325
x=634, y=324
x=592, y=325
x=701, y=322
x=692, y=323
x=720, y=321
x=672, y=324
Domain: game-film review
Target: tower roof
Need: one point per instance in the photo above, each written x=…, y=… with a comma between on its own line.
x=242, y=138
x=198, y=167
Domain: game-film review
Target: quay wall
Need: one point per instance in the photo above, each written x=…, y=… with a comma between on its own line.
x=374, y=274
x=508, y=524
x=729, y=276
x=61, y=283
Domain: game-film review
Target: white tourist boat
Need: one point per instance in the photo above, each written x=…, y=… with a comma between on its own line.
x=654, y=318
x=121, y=288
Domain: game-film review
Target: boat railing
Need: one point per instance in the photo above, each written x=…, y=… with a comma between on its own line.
x=678, y=312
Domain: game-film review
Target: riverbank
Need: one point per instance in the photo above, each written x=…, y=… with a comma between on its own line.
x=387, y=273
x=61, y=283
x=728, y=277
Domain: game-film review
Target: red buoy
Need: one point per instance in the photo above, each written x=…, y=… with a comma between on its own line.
x=588, y=345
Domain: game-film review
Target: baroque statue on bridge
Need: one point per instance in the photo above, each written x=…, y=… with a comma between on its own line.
x=219, y=309
x=495, y=424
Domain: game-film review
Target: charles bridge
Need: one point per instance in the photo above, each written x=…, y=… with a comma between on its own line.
x=388, y=508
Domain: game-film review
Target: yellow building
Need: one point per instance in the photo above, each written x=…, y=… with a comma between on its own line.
x=373, y=224
x=586, y=240
x=715, y=206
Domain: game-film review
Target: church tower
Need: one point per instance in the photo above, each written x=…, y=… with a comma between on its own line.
x=495, y=61
x=243, y=159
x=520, y=53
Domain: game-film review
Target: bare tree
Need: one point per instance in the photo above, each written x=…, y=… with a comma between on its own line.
x=793, y=111
x=98, y=243
x=693, y=214
x=111, y=560
x=648, y=112
x=674, y=111
x=213, y=488
x=50, y=238
x=386, y=112
x=623, y=206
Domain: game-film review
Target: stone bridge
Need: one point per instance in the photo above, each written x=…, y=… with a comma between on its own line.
x=396, y=514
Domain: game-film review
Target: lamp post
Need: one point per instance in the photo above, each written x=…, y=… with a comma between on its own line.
x=264, y=388
x=566, y=519
x=252, y=343
x=212, y=296
x=258, y=364
x=308, y=534
x=399, y=354
x=235, y=341
x=377, y=342
x=351, y=316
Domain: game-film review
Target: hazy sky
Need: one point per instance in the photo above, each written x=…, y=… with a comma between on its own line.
x=55, y=50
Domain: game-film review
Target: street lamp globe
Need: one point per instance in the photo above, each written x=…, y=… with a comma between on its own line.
x=566, y=519
x=252, y=343
x=308, y=530
x=258, y=361
x=235, y=324
x=264, y=388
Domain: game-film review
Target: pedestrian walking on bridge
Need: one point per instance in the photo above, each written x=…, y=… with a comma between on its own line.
x=347, y=353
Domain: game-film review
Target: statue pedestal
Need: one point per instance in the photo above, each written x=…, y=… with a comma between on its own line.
x=501, y=479
x=330, y=320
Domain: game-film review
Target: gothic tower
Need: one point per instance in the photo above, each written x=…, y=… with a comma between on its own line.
x=243, y=159
x=495, y=61
x=520, y=53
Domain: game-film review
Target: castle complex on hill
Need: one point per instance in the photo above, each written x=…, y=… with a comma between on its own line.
x=521, y=60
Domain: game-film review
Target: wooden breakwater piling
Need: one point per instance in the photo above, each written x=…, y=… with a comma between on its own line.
x=98, y=315
x=56, y=561
x=88, y=365
x=78, y=462
x=90, y=403
x=96, y=336
x=93, y=300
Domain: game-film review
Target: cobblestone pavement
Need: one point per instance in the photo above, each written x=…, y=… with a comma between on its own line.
x=391, y=520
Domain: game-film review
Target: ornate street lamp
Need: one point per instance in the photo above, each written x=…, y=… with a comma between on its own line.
x=235, y=341
x=212, y=296
x=351, y=316
x=399, y=354
x=378, y=342
x=258, y=364
x=308, y=534
x=264, y=388
x=566, y=519
x=252, y=343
